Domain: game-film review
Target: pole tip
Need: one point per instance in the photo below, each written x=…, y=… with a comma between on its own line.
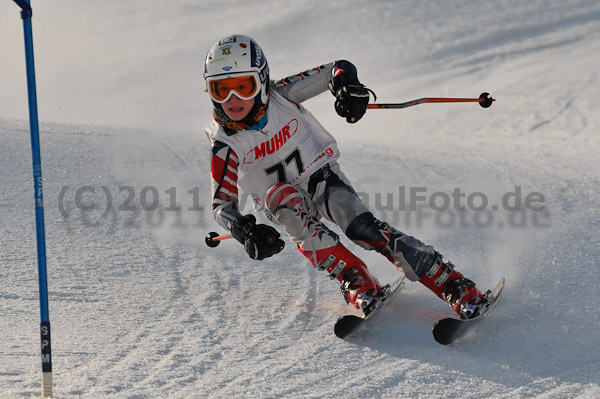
x=487, y=100
x=209, y=239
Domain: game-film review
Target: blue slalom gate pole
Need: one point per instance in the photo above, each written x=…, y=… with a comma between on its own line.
x=26, y=14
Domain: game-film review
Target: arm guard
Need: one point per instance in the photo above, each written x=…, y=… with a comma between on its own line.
x=305, y=85
x=223, y=166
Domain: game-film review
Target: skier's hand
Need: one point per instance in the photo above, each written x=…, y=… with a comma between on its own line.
x=351, y=96
x=351, y=102
x=260, y=240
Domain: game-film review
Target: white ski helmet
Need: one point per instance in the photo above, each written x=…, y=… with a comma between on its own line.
x=237, y=55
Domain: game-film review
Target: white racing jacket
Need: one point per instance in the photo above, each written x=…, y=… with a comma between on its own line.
x=289, y=148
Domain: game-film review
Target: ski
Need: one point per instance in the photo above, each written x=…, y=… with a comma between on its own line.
x=447, y=330
x=348, y=324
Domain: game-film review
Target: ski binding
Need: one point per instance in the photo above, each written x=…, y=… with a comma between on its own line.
x=348, y=324
x=447, y=330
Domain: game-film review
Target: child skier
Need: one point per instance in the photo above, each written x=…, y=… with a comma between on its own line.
x=270, y=146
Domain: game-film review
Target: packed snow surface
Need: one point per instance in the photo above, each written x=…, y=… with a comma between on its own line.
x=141, y=307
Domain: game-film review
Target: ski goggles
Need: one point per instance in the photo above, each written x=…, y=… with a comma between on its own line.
x=221, y=89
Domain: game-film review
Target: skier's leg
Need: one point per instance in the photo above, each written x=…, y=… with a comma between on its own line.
x=419, y=261
x=288, y=207
x=409, y=254
x=338, y=201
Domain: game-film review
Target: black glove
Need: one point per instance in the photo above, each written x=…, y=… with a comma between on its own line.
x=351, y=96
x=260, y=240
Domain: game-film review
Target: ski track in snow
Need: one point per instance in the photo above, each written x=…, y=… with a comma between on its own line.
x=140, y=307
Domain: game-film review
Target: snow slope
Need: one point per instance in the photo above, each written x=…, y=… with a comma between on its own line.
x=140, y=307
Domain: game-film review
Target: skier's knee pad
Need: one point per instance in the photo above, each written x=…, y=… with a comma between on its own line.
x=282, y=195
x=406, y=252
x=367, y=228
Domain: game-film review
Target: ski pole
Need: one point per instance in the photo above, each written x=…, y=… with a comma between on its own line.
x=484, y=100
x=214, y=239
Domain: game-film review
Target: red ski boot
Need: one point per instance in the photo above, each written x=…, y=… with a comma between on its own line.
x=358, y=285
x=450, y=285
